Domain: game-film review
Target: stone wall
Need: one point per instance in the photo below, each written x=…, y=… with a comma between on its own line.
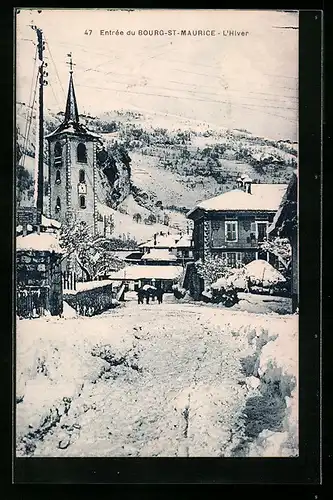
x=38, y=283
x=92, y=301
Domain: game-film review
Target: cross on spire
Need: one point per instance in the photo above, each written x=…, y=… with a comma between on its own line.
x=71, y=112
x=70, y=62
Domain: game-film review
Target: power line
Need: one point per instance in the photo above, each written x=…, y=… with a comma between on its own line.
x=248, y=106
x=29, y=119
x=275, y=96
x=218, y=77
x=195, y=92
x=55, y=67
x=30, y=105
x=56, y=99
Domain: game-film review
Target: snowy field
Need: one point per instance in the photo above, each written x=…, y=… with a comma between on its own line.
x=141, y=381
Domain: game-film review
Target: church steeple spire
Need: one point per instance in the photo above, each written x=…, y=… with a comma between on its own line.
x=71, y=112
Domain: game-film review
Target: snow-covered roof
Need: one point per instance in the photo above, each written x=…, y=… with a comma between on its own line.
x=184, y=242
x=162, y=241
x=45, y=222
x=263, y=197
x=45, y=242
x=50, y=222
x=149, y=272
x=72, y=128
x=159, y=254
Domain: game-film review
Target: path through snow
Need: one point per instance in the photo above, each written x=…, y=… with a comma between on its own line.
x=176, y=392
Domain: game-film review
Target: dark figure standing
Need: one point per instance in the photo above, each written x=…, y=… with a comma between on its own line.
x=159, y=295
x=141, y=294
x=147, y=296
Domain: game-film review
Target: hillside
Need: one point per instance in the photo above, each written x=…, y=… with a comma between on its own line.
x=149, y=176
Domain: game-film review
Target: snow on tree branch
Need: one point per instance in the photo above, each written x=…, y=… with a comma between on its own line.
x=93, y=252
x=280, y=247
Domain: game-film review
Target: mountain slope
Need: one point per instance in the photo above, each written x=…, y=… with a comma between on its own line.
x=149, y=176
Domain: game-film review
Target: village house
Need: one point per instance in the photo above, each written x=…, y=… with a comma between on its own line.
x=284, y=225
x=134, y=277
x=167, y=249
x=235, y=223
x=38, y=275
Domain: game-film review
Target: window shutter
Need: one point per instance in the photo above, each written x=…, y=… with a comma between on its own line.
x=233, y=231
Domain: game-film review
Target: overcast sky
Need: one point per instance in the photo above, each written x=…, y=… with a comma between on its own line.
x=248, y=82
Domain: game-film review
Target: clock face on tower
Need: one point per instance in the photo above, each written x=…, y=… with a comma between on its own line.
x=82, y=188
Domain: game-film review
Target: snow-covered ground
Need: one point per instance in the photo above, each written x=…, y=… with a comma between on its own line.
x=170, y=383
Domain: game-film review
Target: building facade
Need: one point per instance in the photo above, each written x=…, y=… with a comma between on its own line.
x=167, y=249
x=72, y=167
x=234, y=224
x=285, y=225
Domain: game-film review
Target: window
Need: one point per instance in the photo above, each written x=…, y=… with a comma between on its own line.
x=82, y=202
x=57, y=179
x=232, y=258
x=231, y=231
x=82, y=176
x=261, y=231
x=58, y=205
x=58, y=154
x=81, y=153
x=57, y=149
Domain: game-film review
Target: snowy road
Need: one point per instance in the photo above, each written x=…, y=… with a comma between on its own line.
x=174, y=390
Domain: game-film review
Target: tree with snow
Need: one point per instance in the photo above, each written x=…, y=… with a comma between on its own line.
x=137, y=218
x=214, y=268
x=280, y=247
x=151, y=218
x=92, y=252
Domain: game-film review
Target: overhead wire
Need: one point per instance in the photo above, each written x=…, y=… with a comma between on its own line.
x=30, y=106
x=29, y=122
x=247, y=106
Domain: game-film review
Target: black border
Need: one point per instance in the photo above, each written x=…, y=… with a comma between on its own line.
x=305, y=469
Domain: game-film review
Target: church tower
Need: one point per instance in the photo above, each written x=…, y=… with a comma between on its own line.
x=72, y=167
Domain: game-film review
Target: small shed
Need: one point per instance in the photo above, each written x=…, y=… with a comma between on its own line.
x=38, y=275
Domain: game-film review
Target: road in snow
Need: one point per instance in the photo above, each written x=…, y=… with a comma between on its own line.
x=178, y=395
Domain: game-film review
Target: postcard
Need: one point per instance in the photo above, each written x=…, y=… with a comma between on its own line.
x=156, y=233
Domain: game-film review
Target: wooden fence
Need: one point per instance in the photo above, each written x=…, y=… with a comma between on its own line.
x=32, y=302
x=69, y=280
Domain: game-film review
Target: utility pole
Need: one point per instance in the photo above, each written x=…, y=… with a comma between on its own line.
x=42, y=82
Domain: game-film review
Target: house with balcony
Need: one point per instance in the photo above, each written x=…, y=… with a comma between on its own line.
x=167, y=249
x=235, y=223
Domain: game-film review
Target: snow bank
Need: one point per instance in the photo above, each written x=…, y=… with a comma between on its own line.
x=263, y=272
x=53, y=364
x=278, y=371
